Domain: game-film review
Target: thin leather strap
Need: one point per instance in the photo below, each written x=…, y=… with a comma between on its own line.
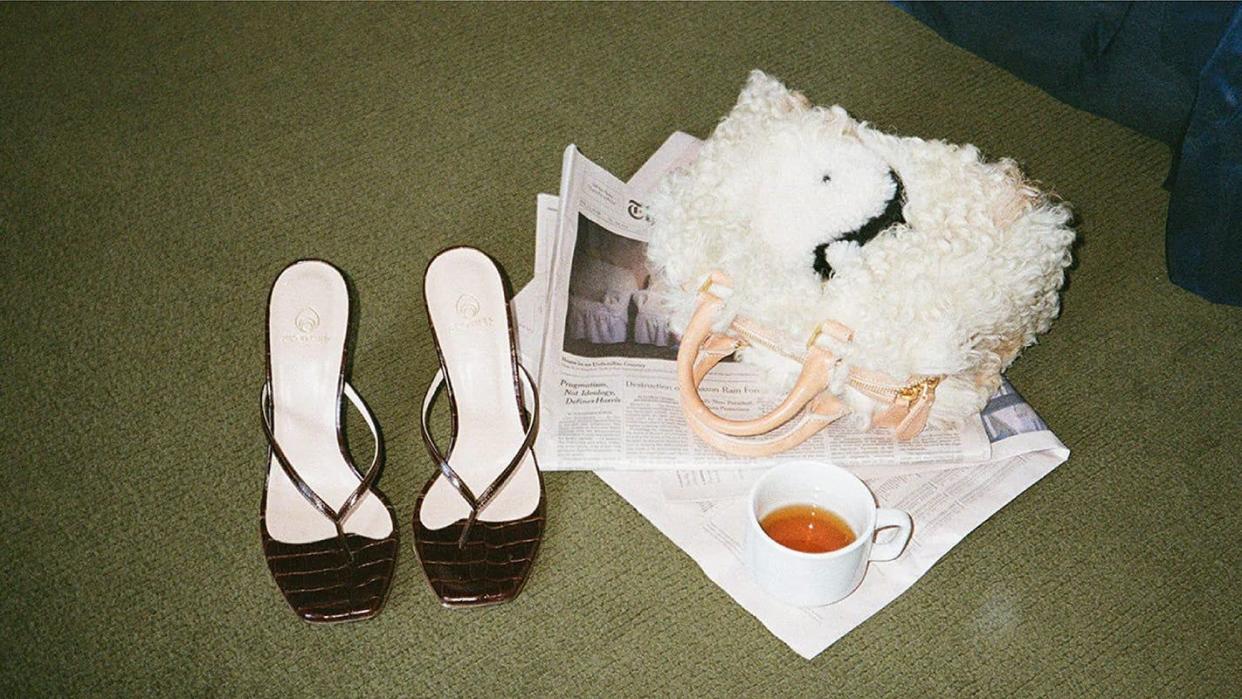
x=338, y=517
x=373, y=470
x=479, y=503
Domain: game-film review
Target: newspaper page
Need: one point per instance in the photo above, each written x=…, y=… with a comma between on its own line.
x=945, y=505
x=528, y=304
x=703, y=510
x=607, y=370
x=1012, y=425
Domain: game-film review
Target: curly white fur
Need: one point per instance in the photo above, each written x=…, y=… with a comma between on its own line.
x=968, y=280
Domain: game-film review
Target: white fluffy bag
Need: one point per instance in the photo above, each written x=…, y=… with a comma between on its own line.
x=890, y=277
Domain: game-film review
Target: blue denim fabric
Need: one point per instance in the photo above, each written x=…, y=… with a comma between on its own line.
x=1170, y=70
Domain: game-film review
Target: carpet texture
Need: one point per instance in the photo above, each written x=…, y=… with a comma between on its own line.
x=160, y=164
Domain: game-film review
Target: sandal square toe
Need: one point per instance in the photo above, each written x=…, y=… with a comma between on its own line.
x=333, y=580
x=311, y=477
x=486, y=501
x=490, y=567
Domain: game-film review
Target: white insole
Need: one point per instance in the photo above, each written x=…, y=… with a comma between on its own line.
x=466, y=304
x=307, y=318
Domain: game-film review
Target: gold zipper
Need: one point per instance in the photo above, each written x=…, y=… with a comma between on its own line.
x=926, y=387
x=750, y=335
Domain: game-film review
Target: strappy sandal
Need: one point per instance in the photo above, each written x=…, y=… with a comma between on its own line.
x=479, y=520
x=329, y=536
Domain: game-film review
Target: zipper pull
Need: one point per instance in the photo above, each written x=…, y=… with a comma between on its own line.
x=924, y=395
x=907, y=416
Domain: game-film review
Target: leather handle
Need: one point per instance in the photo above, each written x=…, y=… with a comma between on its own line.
x=816, y=373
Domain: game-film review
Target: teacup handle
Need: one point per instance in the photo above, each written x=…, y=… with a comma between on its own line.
x=896, y=543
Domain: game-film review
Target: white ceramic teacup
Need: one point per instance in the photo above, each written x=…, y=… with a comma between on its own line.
x=814, y=579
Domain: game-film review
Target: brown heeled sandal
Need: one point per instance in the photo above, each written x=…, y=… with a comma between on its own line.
x=479, y=521
x=330, y=537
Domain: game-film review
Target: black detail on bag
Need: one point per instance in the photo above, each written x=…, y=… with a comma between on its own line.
x=890, y=215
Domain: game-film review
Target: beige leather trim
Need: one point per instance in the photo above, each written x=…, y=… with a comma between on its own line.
x=808, y=407
x=816, y=372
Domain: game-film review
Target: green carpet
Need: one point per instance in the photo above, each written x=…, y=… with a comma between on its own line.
x=160, y=164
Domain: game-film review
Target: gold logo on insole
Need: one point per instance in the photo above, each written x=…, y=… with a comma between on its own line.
x=468, y=308
x=306, y=321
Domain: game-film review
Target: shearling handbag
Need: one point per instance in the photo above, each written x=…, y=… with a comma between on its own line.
x=890, y=277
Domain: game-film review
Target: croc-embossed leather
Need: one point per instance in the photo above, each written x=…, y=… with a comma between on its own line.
x=489, y=567
x=345, y=577
x=340, y=579
x=474, y=562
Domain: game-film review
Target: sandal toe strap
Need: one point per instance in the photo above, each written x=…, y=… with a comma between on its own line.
x=338, y=516
x=480, y=502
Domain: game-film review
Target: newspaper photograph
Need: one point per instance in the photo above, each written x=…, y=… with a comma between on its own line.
x=606, y=363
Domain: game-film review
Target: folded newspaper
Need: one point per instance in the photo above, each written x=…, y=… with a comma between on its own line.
x=607, y=381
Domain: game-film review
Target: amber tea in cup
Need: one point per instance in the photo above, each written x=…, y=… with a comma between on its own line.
x=807, y=528
x=811, y=533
